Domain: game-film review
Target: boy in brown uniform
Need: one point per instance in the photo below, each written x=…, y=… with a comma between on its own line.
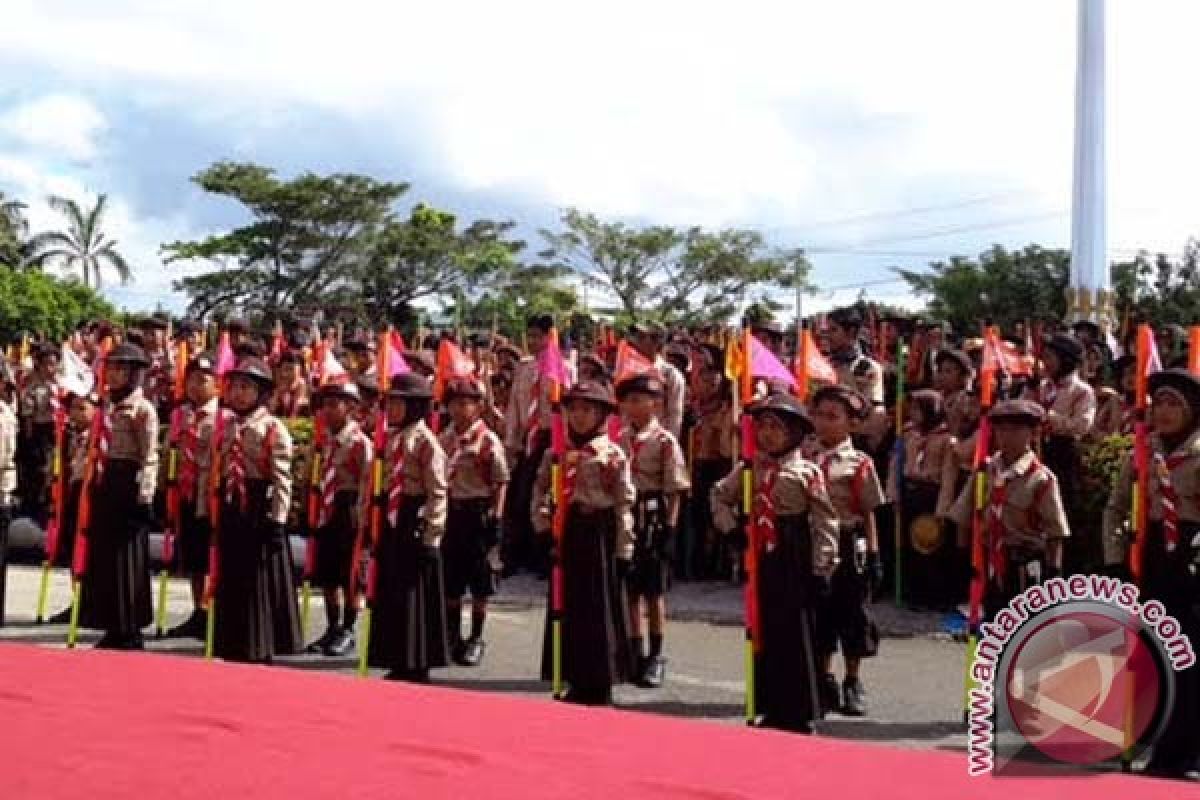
x=345, y=473
x=477, y=474
x=855, y=492
x=1025, y=524
x=660, y=476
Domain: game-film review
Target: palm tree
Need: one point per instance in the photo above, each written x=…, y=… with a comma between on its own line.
x=83, y=246
x=13, y=229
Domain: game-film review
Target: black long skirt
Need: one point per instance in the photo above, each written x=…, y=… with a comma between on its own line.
x=244, y=627
x=116, y=596
x=595, y=639
x=788, y=594
x=930, y=577
x=408, y=611
x=710, y=556
x=66, y=526
x=4, y=518
x=1082, y=549
x=285, y=607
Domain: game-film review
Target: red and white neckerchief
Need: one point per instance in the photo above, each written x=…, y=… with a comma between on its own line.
x=395, y=483
x=460, y=445
x=919, y=461
x=766, y=530
x=1049, y=393
x=189, y=469
x=1168, y=497
x=997, y=499
x=236, y=481
x=103, y=438
x=328, y=485
x=636, y=443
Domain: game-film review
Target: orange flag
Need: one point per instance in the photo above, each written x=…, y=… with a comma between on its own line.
x=811, y=364
x=1194, y=350
x=452, y=363
x=631, y=363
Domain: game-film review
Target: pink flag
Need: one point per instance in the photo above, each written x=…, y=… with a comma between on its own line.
x=764, y=364
x=225, y=359
x=331, y=370
x=550, y=362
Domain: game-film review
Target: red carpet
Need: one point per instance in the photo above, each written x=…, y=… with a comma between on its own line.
x=100, y=725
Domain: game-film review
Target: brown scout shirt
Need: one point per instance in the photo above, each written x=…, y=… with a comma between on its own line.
x=77, y=452
x=1110, y=414
x=475, y=463
x=259, y=429
x=1183, y=468
x=799, y=489
x=199, y=425
x=134, y=437
x=655, y=459
x=851, y=482
x=864, y=374
x=924, y=456
x=37, y=401
x=1070, y=406
x=424, y=474
x=674, y=396
x=528, y=391
x=604, y=481
x=8, y=453
x=712, y=436
x=1033, y=510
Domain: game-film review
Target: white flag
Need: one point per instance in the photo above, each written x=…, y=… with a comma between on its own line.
x=74, y=375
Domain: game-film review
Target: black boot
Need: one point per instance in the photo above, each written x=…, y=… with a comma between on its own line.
x=472, y=652
x=320, y=644
x=61, y=618
x=195, y=627
x=655, y=672
x=831, y=695
x=340, y=644
x=854, y=698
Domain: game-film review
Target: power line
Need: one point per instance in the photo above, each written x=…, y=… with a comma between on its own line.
x=897, y=214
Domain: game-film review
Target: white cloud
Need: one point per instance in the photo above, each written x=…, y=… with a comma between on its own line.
x=762, y=113
x=58, y=125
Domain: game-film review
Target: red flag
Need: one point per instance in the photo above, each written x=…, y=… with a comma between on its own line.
x=1148, y=362
x=631, y=363
x=999, y=354
x=452, y=363
x=1194, y=350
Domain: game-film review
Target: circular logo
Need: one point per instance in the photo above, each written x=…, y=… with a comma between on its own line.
x=1085, y=683
x=926, y=534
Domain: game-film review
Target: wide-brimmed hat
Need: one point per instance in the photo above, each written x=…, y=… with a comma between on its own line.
x=1019, y=411
x=410, y=386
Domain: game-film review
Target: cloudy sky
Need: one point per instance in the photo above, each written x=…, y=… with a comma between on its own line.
x=876, y=134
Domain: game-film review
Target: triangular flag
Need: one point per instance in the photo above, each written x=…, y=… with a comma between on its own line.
x=452, y=363
x=396, y=365
x=631, y=363
x=765, y=364
x=225, y=359
x=1002, y=355
x=811, y=365
x=330, y=371
x=74, y=375
x=551, y=365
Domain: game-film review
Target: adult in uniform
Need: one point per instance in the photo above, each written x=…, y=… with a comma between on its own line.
x=1070, y=406
x=1171, y=556
x=36, y=440
x=8, y=465
x=116, y=595
x=1025, y=523
x=257, y=617
x=799, y=552
x=861, y=373
x=855, y=492
x=648, y=340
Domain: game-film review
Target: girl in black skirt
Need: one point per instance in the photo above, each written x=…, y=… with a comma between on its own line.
x=798, y=551
x=595, y=550
x=408, y=612
x=116, y=595
x=255, y=495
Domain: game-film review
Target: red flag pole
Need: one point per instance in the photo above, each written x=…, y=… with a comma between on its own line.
x=174, y=517
x=558, y=449
x=57, y=493
x=371, y=519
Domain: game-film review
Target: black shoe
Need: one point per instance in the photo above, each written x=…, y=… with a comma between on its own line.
x=109, y=641
x=831, y=695
x=341, y=644
x=195, y=627
x=320, y=644
x=655, y=672
x=408, y=675
x=854, y=698
x=132, y=641
x=61, y=618
x=472, y=652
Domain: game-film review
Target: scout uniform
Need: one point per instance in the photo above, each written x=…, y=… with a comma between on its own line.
x=798, y=540
x=8, y=471
x=712, y=458
x=1070, y=406
x=343, y=485
x=407, y=594
x=292, y=402
x=257, y=615
x=858, y=371
x=854, y=490
x=475, y=471
x=1170, y=559
x=597, y=544
x=1024, y=515
x=36, y=439
x=116, y=595
x=75, y=464
x=526, y=440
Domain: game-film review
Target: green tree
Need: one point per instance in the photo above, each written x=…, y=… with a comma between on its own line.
x=659, y=271
x=83, y=246
x=1159, y=289
x=1006, y=286
x=304, y=238
x=513, y=294
x=34, y=302
x=13, y=230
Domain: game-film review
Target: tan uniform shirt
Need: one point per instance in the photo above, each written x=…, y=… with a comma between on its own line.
x=1070, y=406
x=424, y=474
x=655, y=459
x=260, y=431
x=799, y=489
x=8, y=453
x=924, y=456
x=674, y=396
x=1110, y=414
x=959, y=459
x=529, y=393
x=1180, y=468
x=712, y=436
x=351, y=453
x=196, y=432
x=851, y=482
x=134, y=437
x=475, y=463
x=603, y=481
x=291, y=402
x=1033, y=512
x=77, y=452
